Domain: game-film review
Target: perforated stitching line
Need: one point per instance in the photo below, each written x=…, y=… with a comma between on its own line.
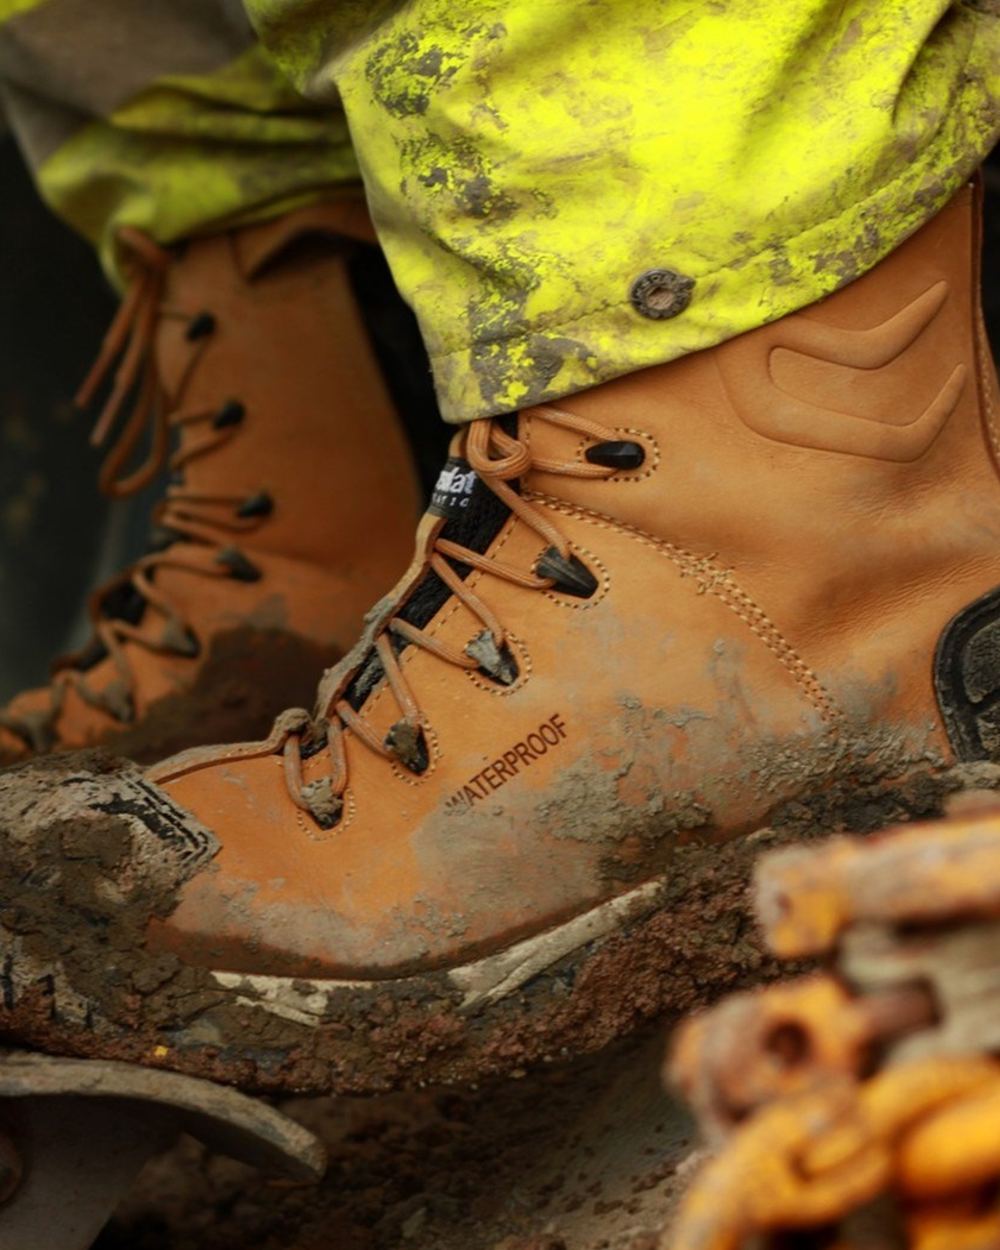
x=713, y=579
x=435, y=626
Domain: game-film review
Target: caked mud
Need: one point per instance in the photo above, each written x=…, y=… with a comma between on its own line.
x=91, y=858
x=246, y=679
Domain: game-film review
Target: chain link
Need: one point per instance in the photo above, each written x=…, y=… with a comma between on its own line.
x=871, y=1089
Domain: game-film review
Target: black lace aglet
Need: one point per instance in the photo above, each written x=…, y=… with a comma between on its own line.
x=570, y=575
x=242, y=569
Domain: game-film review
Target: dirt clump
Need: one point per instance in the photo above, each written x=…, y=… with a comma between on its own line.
x=94, y=853
x=580, y=1156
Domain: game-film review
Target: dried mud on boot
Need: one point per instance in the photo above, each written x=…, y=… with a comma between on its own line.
x=248, y=677
x=93, y=852
x=91, y=855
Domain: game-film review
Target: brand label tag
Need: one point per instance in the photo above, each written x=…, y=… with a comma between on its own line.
x=453, y=492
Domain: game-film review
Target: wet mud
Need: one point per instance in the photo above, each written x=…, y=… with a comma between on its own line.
x=582, y=1154
x=79, y=979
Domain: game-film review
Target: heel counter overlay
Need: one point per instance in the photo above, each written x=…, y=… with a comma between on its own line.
x=967, y=679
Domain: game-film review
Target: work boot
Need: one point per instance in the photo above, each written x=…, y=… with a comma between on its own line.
x=247, y=349
x=755, y=585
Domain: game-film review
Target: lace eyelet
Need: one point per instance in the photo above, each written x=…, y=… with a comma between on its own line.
x=618, y=454
x=180, y=640
x=408, y=744
x=240, y=568
x=324, y=806
x=496, y=663
x=570, y=576
x=199, y=326
x=232, y=412
x=160, y=538
x=116, y=699
x=259, y=505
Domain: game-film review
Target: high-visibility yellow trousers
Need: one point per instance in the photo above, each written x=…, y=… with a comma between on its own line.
x=566, y=190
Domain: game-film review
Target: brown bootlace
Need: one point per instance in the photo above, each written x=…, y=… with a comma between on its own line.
x=497, y=458
x=128, y=349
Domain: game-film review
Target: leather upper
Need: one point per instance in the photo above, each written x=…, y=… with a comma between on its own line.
x=817, y=500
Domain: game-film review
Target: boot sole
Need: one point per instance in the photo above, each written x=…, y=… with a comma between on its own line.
x=663, y=949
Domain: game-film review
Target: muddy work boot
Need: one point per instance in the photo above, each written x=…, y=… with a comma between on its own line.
x=243, y=361
x=756, y=585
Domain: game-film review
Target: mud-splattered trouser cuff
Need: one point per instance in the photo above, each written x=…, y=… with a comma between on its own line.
x=576, y=190
x=566, y=191
x=167, y=115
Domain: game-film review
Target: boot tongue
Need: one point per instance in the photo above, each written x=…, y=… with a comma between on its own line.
x=473, y=517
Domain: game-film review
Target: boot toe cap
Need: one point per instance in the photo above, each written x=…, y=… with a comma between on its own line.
x=91, y=852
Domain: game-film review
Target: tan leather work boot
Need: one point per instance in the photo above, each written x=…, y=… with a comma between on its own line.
x=756, y=584
x=249, y=349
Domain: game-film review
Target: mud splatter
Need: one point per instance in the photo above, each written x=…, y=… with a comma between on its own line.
x=453, y=169
x=405, y=70
x=82, y=880
x=514, y=363
x=247, y=678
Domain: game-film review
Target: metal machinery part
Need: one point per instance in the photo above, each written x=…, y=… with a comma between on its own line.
x=75, y=1133
x=856, y=1106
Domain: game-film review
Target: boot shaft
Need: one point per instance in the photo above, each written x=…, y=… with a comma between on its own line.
x=841, y=462
x=262, y=330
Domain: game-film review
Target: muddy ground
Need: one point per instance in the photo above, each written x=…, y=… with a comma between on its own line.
x=588, y=1156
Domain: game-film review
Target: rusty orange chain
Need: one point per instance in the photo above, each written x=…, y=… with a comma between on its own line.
x=863, y=1100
